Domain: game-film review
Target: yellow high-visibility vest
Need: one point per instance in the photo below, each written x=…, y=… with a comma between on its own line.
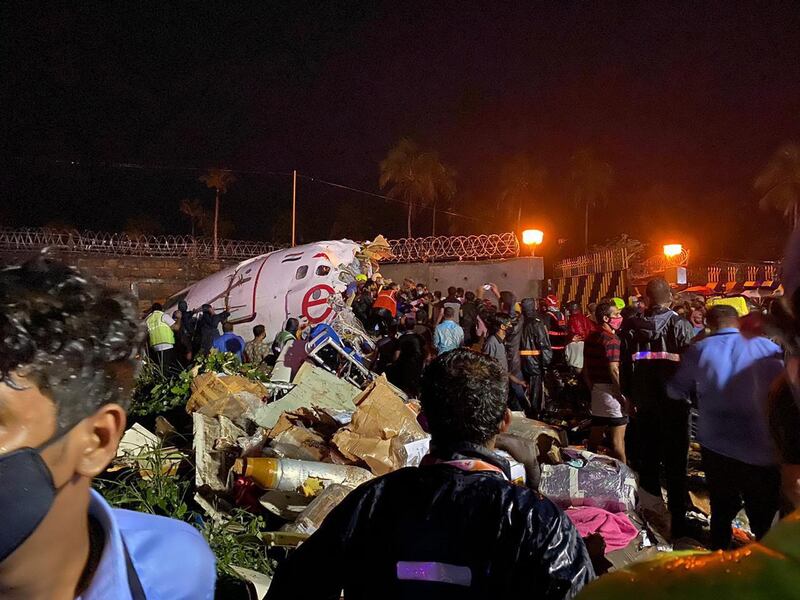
x=159, y=332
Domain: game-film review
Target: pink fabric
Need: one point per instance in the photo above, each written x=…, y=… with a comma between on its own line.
x=616, y=528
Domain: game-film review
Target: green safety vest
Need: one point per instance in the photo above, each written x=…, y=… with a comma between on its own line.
x=159, y=332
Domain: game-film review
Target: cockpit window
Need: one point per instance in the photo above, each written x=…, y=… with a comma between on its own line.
x=323, y=270
x=301, y=272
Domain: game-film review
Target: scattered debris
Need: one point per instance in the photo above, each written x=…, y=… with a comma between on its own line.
x=313, y=387
x=384, y=431
x=588, y=479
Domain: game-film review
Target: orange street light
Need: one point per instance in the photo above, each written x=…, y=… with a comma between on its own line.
x=532, y=238
x=671, y=250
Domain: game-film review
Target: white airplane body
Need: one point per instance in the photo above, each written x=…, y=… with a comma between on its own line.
x=268, y=289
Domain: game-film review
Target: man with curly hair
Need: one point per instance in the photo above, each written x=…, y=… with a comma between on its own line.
x=67, y=348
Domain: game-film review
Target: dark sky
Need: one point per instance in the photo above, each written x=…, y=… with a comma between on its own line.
x=687, y=101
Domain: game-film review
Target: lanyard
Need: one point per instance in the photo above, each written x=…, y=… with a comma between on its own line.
x=134, y=583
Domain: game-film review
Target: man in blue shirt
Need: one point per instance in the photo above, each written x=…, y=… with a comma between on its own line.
x=67, y=348
x=230, y=342
x=448, y=334
x=731, y=376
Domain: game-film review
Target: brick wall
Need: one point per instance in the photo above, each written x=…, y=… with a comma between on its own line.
x=148, y=279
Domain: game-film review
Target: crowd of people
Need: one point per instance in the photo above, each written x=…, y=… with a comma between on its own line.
x=642, y=366
x=647, y=367
x=454, y=527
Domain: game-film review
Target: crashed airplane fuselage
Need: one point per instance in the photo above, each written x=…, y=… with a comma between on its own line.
x=268, y=289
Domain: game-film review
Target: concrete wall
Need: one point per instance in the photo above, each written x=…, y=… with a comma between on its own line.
x=522, y=275
x=156, y=279
x=148, y=279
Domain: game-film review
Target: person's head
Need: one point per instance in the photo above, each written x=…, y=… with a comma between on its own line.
x=464, y=397
x=406, y=323
x=157, y=306
x=292, y=325
x=259, y=332
x=469, y=296
x=658, y=292
x=680, y=309
x=500, y=324
x=449, y=313
x=451, y=292
x=507, y=301
x=437, y=294
x=607, y=315
x=573, y=308
x=698, y=317
x=67, y=364
x=420, y=289
x=182, y=306
x=722, y=316
x=551, y=302
x=460, y=292
x=227, y=327
x=208, y=309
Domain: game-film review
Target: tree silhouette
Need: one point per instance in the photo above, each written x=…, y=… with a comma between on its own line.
x=194, y=211
x=417, y=178
x=521, y=182
x=219, y=180
x=779, y=182
x=590, y=181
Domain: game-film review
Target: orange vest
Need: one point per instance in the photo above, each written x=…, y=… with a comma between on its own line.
x=386, y=299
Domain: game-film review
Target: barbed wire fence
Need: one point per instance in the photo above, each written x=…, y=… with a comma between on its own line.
x=428, y=249
x=121, y=244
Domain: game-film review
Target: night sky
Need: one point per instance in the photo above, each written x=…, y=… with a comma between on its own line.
x=686, y=100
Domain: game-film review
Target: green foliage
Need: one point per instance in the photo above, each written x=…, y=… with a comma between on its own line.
x=237, y=541
x=167, y=492
x=157, y=392
x=162, y=493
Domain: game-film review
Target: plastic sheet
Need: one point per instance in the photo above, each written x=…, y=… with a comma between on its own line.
x=589, y=479
x=312, y=517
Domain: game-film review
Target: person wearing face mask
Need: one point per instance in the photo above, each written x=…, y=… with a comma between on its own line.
x=67, y=348
x=601, y=358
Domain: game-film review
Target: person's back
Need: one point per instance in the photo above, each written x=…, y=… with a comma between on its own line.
x=406, y=370
x=469, y=318
x=448, y=334
x=412, y=531
x=230, y=342
x=731, y=376
x=455, y=527
x=660, y=431
x=732, y=382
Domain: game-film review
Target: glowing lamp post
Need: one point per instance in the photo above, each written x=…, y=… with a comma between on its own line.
x=673, y=250
x=532, y=238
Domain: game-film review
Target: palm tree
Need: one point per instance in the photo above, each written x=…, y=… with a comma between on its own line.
x=219, y=179
x=520, y=181
x=193, y=209
x=590, y=181
x=779, y=182
x=417, y=178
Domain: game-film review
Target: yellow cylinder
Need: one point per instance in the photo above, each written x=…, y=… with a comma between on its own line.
x=264, y=471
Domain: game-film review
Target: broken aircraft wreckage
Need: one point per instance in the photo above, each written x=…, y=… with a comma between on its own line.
x=304, y=282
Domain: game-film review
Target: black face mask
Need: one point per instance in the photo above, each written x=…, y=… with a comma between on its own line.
x=27, y=492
